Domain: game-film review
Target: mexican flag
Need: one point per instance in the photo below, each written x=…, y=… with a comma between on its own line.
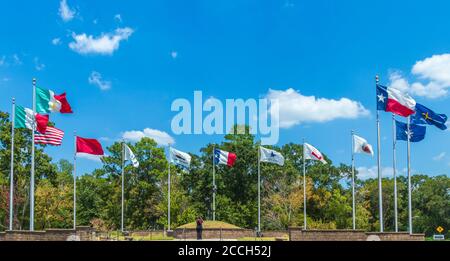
x=47, y=102
x=23, y=118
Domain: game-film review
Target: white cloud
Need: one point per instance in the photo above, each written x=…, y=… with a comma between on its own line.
x=295, y=108
x=372, y=172
x=174, y=54
x=89, y=157
x=56, y=41
x=65, y=12
x=96, y=79
x=161, y=137
x=3, y=61
x=16, y=59
x=439, y=157
x=105, y=44
x=118, y=18
x=38, y=65
x=433, y=73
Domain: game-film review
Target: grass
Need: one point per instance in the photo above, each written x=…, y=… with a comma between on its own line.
x=156, y=236
x=210, y=224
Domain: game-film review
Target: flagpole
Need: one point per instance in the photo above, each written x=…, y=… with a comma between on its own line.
x=259, y=193
x=380, y=192
x=409, y=181
x=168, y=193
x=123, y=163
x=75, y=182
x=214, y=184
x=394, y=163
x=11, y=179
x=304, y=187
x=353, y=181
x=32, y=158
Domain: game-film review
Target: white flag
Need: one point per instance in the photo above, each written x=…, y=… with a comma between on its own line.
x=313, y=153
x=360, y=145
x=180, y=158
x=271, y=156
x=129, y=155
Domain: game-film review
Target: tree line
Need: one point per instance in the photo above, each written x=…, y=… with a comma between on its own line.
x=329, y=197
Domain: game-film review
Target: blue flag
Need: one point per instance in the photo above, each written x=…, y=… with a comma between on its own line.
x=424, y=115
x=416, y=132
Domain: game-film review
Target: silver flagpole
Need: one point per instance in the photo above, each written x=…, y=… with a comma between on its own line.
x=380, y=192
x=123, y=164
x=394, y=163
x=32, y=159
x=75, y=181
x=214, y=184
x=304, y=187
x=353, y=182
x=259, y=193
x=409, y=181
x=168, y=193
x=11, y=179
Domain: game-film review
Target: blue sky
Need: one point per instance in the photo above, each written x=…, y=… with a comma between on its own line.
x=123, y=63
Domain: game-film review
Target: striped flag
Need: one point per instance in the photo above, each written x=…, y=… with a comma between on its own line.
x=52, y=136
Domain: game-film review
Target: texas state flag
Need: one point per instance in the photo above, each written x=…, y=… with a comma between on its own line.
x=393, y=100
x=224, y=157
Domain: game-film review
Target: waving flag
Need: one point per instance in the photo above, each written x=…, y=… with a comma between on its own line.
x=52, y=136
x=271, y=156
x=89, y=146
x=23, y=118
x=180, y=158
x=360, y=145
x=224, y=157
x=47, y=102
x=129, y=155
x=393, y=100
x=313, y=153
x=416, y=132
x=424, y=115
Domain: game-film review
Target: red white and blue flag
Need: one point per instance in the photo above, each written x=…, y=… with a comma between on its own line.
x=393, y=100
x=224, y=157
x=52, y=136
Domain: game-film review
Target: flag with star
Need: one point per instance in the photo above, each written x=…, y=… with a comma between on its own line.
x=393, y=100
x=416, y=132
x=271, y=156
x=425, y=115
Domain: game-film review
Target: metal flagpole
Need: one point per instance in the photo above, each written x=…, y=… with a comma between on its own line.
x=259, y=192
x=168, y=192
x=409, y=180
x=123, y=164
x=380, y=192
x=304, y=187
x=11, y=179
x=214, y=184
x=75, y=181
x=394, y=163
x=32, y=159
x=353, y=182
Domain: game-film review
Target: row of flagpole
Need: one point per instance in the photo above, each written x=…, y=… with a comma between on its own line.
x=32, y=176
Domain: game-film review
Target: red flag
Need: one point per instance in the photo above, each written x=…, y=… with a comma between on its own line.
x=41, y=123
x=89, y=146
x=65, y=106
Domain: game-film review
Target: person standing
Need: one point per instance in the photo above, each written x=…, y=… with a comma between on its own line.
x=199, y=228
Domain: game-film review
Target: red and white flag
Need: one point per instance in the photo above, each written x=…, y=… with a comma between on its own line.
x=360, y=145
x=52, y=136
x=313, y=153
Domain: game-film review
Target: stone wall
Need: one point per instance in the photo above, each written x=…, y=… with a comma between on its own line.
x=81, y=233
x=216, y=233
x=298, y=234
